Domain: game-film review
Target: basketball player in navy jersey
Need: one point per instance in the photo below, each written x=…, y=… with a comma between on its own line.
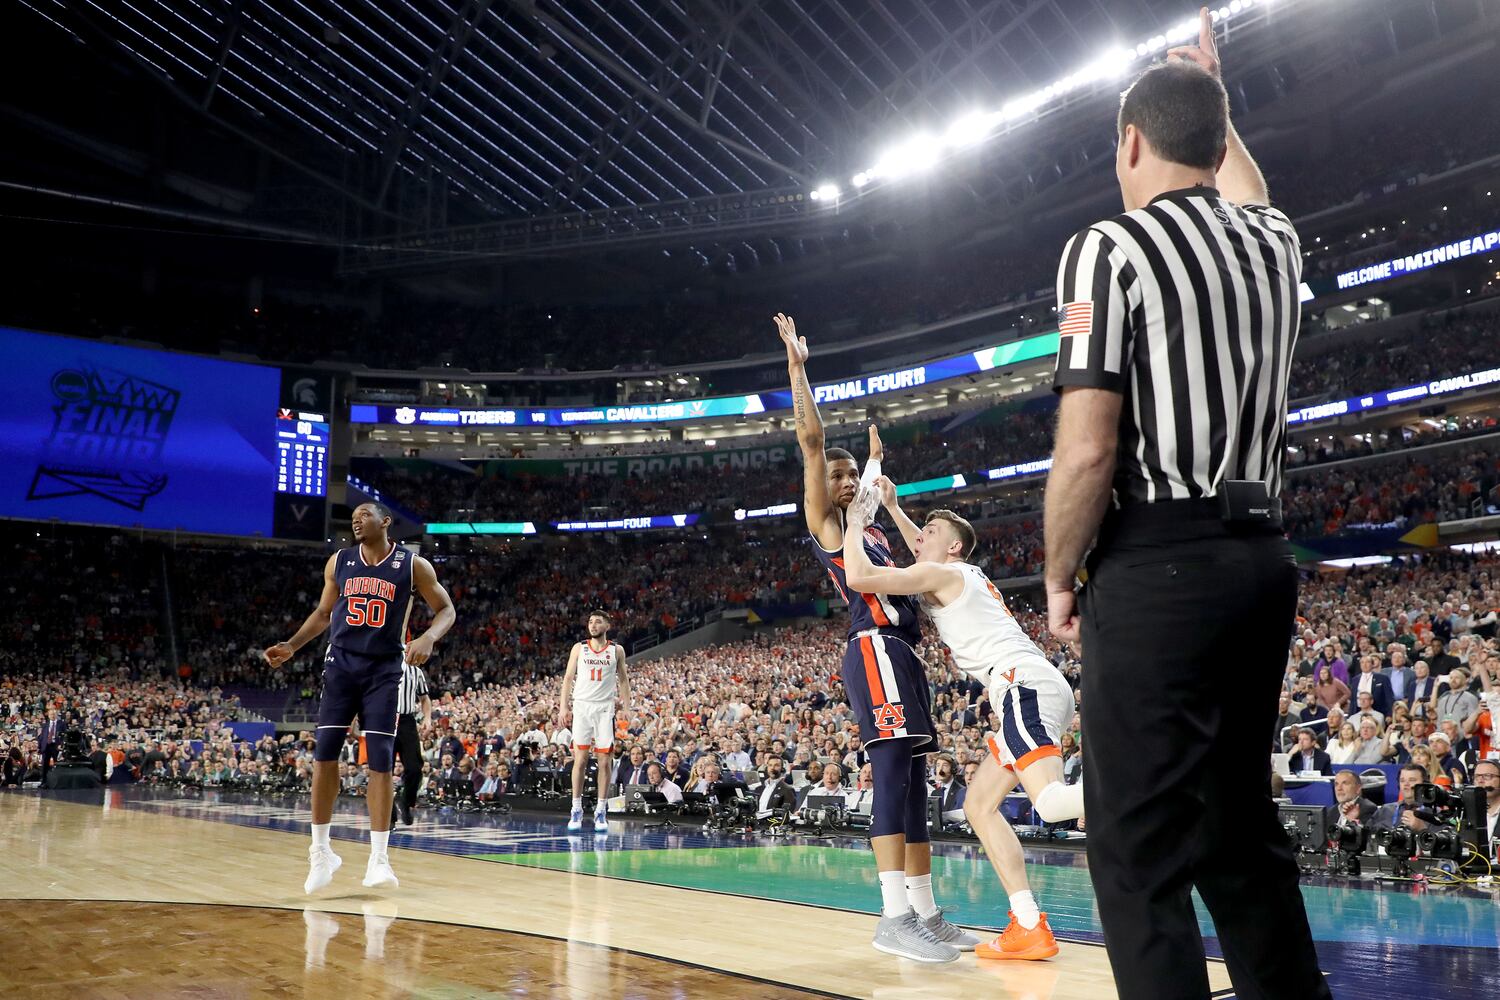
x=886, y=685
x=367, y=598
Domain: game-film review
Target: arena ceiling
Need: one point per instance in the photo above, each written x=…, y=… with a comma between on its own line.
x=589, y=114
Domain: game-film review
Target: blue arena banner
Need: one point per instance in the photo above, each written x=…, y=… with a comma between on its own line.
x=899, y=380
x=629, y=523
x=642, y=413
x=1394, y=397
x=1480, y=242
x=778, y=510
x=479, y=528
x=103, y=434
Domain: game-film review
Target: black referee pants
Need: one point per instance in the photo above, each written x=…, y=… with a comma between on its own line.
x=1186, y=625
x=409, y=750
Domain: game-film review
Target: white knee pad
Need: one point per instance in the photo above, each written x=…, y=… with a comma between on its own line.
x=1059, y=802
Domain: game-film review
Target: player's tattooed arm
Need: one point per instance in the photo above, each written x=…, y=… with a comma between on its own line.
x=817, y=505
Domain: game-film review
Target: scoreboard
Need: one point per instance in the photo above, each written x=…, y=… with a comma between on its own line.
x=301, y=453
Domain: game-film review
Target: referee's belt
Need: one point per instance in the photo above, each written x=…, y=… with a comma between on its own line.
x=1237, y=508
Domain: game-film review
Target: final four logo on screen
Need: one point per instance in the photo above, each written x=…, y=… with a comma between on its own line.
x=108, y=431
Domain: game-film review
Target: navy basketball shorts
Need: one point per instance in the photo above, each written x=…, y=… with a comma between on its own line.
x=360, y=684
x=887, y=689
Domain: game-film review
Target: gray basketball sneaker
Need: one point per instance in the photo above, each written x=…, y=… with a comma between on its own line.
x=949, y=933
x=906, y=937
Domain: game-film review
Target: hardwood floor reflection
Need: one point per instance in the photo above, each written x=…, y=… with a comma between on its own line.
x=125, y=951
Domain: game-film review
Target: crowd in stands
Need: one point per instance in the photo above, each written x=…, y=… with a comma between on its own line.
x=143, y=725
x=1441, y=138
x=1397, y=663
x=496, y=720
x=1453, y=344
x=1395, y=492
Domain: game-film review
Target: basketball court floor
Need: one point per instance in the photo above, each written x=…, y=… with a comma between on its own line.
x=139, y=892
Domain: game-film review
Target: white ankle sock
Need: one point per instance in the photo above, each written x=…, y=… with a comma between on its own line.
x=578, y=805
x=379, y=839
x=919, y=894
x=1023, y=905
x=320, y=834
x=893, y=900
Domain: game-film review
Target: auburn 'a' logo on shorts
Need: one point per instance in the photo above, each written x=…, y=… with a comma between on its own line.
x=890, y=716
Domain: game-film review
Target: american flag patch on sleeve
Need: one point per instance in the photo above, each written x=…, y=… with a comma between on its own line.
x=1077, y=321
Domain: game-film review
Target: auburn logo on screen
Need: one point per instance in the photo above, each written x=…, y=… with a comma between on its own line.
x=889, y=716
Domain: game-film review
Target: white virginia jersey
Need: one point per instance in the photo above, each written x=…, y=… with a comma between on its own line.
x=595, y=679
x=983, y=634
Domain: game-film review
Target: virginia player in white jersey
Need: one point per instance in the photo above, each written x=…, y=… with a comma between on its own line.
x=1033, y=700
x=594, y=680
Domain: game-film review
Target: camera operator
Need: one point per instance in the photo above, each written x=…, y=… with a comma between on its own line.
x=99, y=760
x=1402, y=811
x=1487, y=776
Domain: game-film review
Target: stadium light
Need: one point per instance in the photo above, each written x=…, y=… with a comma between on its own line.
x=970, y=129
x=825, y=192
x=923, y=151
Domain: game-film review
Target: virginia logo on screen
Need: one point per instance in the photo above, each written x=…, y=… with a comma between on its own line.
x=108, y=431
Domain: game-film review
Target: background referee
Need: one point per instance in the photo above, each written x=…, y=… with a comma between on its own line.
x=1179, y=319
x=411, y=701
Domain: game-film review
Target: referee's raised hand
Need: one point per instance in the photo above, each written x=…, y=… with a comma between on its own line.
x=1205, y=53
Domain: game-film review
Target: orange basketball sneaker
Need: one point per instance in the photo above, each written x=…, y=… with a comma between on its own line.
x=1017, y=944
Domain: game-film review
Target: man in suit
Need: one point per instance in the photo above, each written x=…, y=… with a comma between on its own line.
x=1371, y=681
x=1307, y=756
x=633, y=770
x=1400, y=812
x=1402, y=678
x=449, y=775
x=950, y=794
x=1350, y=804
x=1423, y=688
x=493, y=786
x=775, y=792
x=50, y=741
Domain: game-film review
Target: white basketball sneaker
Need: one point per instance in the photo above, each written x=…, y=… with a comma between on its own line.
x=378, y=872
x=322, y=863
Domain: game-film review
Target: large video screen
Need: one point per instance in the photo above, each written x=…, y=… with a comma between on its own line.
x=102, y=434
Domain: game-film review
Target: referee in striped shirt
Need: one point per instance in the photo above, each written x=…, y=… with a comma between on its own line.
x=412, y=702
x=1179, y=319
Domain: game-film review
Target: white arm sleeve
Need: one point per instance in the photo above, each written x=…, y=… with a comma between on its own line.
x=871, y=473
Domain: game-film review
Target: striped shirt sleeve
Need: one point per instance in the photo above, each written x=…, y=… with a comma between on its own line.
x=1094, y=314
